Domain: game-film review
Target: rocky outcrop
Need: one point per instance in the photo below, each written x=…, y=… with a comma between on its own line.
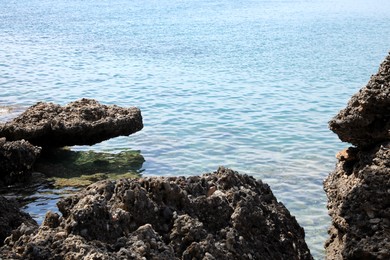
x=366, y=120
x=359, y=203
x=223, y=215
x=359, y=189
x=11, y=218
x=16, y=160
x=83, y=122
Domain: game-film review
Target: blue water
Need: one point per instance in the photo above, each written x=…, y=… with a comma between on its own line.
x=249, y=84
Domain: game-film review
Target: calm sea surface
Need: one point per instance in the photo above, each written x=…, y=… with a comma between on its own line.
x=249, y=85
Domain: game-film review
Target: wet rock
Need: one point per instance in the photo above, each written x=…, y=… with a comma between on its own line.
x=359, y=203
x=16, y=160
x=167, y=218
x=11, y=217
x=366, y=120
x=83, y=122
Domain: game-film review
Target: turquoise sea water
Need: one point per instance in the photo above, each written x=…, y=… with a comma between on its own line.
x=249, y=85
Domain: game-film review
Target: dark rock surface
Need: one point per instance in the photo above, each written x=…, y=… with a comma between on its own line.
x=358, y=189
x=16, y=160
x=11, y=218
x=83, y=122
x=359, y=203
x=223, y=215
x=366, y=119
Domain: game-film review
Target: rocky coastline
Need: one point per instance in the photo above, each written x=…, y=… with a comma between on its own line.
x=220, y=215
x=358, y=189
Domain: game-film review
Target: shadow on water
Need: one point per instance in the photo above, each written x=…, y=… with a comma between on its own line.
x=65, y=167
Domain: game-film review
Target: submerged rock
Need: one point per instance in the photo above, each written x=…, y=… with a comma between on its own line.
x=82, y=168
x=16, y=160
x=359, y=203
x=83, y=122
x=223, y=215
x=11, y=218
x=366, y=119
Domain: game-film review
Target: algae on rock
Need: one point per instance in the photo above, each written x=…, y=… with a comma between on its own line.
x=81, y=168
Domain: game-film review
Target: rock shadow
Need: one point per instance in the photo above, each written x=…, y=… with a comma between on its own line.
x=81, y=168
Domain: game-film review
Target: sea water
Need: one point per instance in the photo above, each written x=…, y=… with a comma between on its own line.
x=247, y=84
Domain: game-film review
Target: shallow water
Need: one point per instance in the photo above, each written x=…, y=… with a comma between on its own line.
x=249, y=85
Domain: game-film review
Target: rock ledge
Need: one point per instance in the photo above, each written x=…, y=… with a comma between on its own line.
x=83, y=122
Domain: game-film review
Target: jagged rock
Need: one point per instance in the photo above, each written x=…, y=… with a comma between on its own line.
x=11, y=218
x=223, y=215
x=359, y=188
x=359, y=203
x=83, y=122
x=366, y=119
x=16, y=160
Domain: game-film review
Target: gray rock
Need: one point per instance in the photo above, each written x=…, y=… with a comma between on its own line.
x=83, y=122
x=16, y=160
x=223, y=215
x=366, y=119
x=359, y=203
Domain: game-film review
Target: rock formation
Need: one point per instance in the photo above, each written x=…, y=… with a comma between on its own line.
x=359, y=189
x=223, y=215
x=83, y=122
x=366, y=119
x=11, y=218
x=16, y=160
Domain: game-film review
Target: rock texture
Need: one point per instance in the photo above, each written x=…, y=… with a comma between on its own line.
x=223, y=215
x=366, y=120
x=83, y=122
x=11, y=218
x=359, y=189
x=16, y=160
x=359, y=204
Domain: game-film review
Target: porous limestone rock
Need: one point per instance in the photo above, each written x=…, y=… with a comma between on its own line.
x=223, y=215
x=358, y=189
x=83, y=122
x=11, y=217
x=366, y=119
x=16, y=160
x=359, y=203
